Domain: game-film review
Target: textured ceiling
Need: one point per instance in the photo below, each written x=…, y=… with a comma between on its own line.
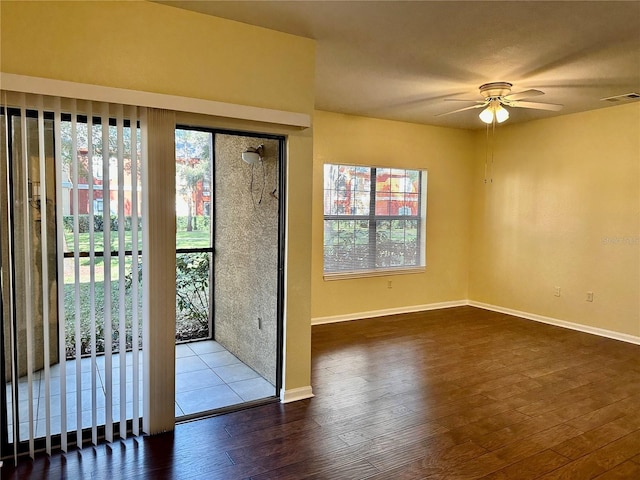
x=401, y=60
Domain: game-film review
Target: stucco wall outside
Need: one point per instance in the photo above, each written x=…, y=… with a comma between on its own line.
x=246, y=252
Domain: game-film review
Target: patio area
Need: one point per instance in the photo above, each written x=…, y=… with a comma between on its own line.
x=208, y=377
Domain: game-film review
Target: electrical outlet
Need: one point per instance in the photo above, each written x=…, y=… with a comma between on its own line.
x=556, y=291
x=259, y=323
x=589, y=296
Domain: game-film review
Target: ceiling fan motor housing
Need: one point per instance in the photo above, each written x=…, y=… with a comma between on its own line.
x=495, y=89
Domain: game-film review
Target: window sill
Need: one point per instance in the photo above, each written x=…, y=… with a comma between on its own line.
x=372, y=273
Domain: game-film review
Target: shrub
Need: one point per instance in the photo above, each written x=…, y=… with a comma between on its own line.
x=199, y=222
x=192, y=295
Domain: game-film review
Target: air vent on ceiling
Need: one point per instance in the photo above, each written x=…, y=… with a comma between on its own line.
x=620, y=98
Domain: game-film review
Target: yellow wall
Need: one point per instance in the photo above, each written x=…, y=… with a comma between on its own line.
x=447, y=155
x=563, y=210
x=156, y=48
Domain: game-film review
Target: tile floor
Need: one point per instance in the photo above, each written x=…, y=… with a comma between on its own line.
x=207, y=377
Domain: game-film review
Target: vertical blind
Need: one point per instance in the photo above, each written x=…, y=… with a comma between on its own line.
x=71, y=271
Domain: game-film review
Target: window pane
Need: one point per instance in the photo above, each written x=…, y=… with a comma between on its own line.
x=335, y=246
x=397, y=192
x=396, y=243
x=397, y=180
x=192, y=295
x=362, y=232
x=329, y=191
x=410, y=205
x=361, y=182
x=383, y=191
x=411, y=252
x=383, y=243
x=193, y=196
x=346, y=232
x=346, y=245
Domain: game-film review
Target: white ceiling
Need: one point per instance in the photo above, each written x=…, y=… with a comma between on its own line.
x=400, y=59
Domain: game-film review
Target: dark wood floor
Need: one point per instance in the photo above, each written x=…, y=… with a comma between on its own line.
x=460, y=393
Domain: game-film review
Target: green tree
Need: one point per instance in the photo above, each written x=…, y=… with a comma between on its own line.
x=193, y=163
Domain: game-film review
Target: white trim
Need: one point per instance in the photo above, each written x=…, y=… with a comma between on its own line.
x=387, y=311
x=559, y=323
x=623, y=337
x=84, y=91
x=295, y=394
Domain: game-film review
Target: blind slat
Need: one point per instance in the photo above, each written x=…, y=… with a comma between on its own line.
x=106, y=231
x=76, y=266
x=26, y=219
x=57, y=129
x=122, y=328
x=44, y=273
x=134, y=274
x=92, y=278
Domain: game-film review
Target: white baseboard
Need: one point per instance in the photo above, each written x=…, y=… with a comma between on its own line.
x=559, y=323
x=387, y=311
x=486, y=306
x=295, y=394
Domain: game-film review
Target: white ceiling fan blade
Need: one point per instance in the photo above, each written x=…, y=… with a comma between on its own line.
x=538, y=106
x=462, y=109
x=521, y=95
x=463, y=100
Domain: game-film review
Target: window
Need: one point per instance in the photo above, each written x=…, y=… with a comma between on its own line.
x=374, y=219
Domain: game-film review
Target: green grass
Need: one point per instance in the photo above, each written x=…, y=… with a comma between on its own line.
x=194, y=239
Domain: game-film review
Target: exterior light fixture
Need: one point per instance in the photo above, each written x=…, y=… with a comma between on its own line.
x=253, y=155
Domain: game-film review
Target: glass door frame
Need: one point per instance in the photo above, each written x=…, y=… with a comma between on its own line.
x=282, y=182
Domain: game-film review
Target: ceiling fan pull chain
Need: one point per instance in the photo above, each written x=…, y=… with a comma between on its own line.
x=486, y=154
x=493, y=140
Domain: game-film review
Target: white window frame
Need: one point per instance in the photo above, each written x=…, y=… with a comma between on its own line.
x=421, y=217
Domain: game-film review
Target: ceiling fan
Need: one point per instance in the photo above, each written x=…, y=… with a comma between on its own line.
x=497, y=95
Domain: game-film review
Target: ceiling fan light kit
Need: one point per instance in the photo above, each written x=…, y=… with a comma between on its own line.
x=494, y=111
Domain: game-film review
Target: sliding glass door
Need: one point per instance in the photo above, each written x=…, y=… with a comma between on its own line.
x=71, y=260
x=228, y=307
x=76, y=276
